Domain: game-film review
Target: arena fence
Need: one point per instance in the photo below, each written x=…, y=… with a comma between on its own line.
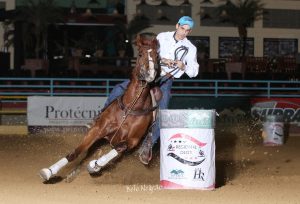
x=18, y=89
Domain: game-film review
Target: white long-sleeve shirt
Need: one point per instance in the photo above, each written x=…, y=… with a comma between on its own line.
x=168, y=46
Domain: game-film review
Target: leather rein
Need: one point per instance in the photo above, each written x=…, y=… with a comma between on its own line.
x=128, y=111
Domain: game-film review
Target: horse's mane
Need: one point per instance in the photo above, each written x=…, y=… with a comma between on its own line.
x=146, y=40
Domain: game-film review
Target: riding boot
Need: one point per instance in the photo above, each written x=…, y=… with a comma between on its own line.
x=145, y=151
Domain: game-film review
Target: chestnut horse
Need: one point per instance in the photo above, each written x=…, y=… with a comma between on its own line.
x=126, y=120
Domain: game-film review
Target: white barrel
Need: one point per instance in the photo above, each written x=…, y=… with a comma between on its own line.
x=187, y=149
x=273, y=130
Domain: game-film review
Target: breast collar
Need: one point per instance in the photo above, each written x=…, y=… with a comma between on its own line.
x=134, y=112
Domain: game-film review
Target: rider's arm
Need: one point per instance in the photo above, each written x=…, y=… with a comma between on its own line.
x=191, y=65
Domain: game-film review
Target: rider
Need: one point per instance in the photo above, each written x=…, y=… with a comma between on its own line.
x=178, y=56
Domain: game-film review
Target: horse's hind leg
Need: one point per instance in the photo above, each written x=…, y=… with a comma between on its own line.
x=79, y=152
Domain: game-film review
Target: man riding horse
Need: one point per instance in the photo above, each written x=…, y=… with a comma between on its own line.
x=125, y=121
x=177, y=56
x=121, y=121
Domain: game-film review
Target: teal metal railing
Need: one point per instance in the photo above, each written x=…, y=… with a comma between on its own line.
x=18, y=89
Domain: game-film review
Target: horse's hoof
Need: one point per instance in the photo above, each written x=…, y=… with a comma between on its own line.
x=45, y=174
x=92, y=167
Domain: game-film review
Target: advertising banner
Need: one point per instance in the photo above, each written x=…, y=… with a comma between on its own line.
x=289, y=108
x=63, y=111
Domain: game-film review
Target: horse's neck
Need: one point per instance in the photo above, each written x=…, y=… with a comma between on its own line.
x=138, y=91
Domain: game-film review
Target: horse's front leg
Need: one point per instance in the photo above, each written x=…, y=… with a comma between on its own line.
x=95, y=166
x=79, y=152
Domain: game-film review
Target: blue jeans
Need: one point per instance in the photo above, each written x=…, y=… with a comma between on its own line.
x=165, y=86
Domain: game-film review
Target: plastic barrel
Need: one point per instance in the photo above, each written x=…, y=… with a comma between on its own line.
x=273, y=130
x=187, y=149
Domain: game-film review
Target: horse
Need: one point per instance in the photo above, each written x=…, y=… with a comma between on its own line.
x=125, y=121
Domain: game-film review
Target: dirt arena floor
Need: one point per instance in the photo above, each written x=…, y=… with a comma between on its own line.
x=246, y=172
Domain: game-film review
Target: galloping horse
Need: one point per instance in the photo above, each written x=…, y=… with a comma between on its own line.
x=126, y=120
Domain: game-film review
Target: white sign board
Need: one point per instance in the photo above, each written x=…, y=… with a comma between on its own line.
x=187, y=158
x=63, y=111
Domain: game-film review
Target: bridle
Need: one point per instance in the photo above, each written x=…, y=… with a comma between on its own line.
x=149, y=62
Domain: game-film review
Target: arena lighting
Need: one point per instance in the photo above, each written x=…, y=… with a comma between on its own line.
x=58, y=57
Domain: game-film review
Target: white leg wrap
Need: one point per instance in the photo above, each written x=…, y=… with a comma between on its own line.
x=58, y=165
x=47, y=173
x=95, y=165
x=102, y=161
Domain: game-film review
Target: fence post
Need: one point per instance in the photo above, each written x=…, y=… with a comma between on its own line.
x=51, y=87
x=107, y=87
x=216, y=89
x=269, y=89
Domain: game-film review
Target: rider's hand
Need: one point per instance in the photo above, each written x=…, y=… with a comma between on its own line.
x=180, y=65
x=168, y=62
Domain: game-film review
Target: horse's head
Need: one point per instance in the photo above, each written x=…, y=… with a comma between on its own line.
x=147, y=60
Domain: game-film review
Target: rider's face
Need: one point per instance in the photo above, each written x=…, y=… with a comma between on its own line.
x=182, y=31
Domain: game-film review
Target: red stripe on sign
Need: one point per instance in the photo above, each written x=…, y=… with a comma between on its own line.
x=181, y=135
x=170, y=184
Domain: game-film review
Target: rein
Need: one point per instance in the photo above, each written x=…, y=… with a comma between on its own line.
x=175, y=69
x=127, y=113
x=134, y=112
x=130, y=111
